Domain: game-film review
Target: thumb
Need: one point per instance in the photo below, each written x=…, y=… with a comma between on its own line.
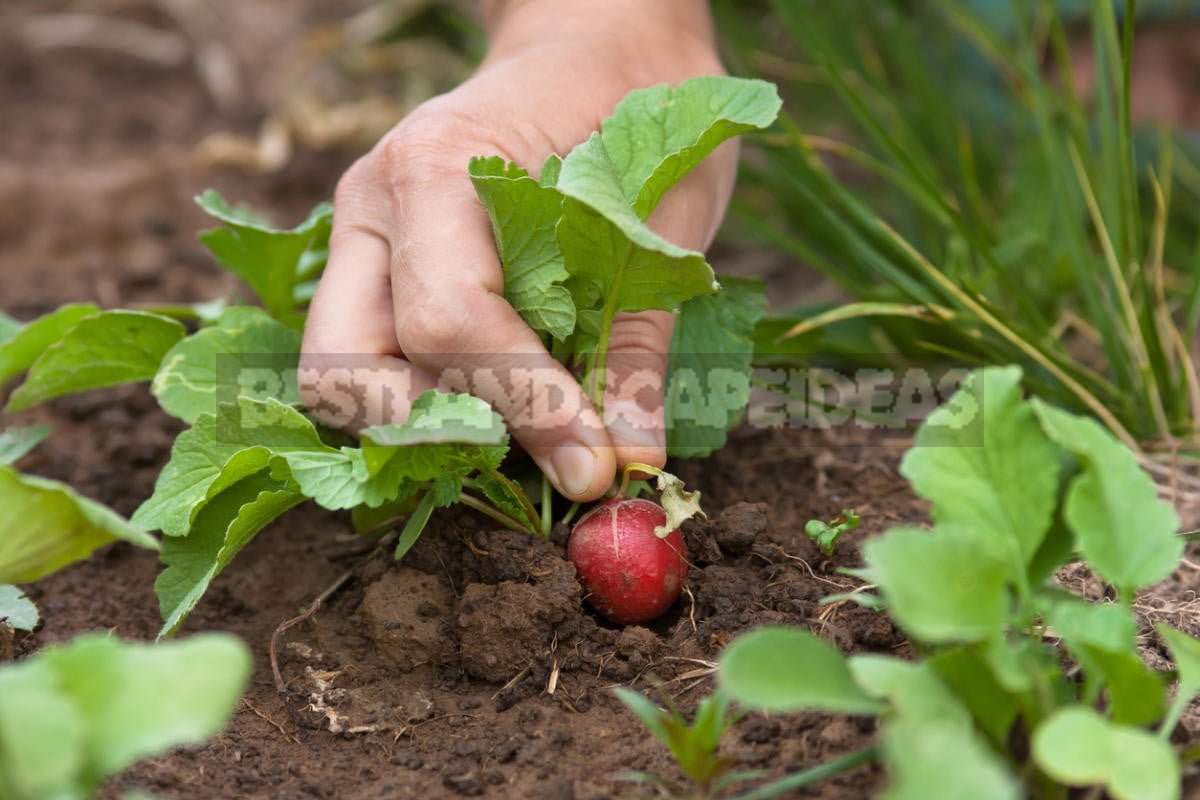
x=636, y=383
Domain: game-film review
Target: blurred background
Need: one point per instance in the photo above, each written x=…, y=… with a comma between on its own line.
x=117, y=112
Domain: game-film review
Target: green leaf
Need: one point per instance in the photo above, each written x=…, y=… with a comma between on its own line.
x=42, y=736
x=525, y=218
x=16, y=442
x=21, y=347
x=998, y=477
x=970, y=677
x=788, y=669
x=246, y=354
x=656, y=719
x=47, y=526
x=930, y=745
x=445, y=438
x=452, y=430
x=1185, y=652
x=709, y=366
x=16, y=609
x=415, y=525
x=613, y=258
x=657, y=135
x=222, y=527
x=231, y=446
x=140, y=700
x=936, y=759
x=339, y=479
x=8, y=327
x=1078, y=747
x=107, y=349
x=1121, y=527
x=75, y=715
x=445, y=418
x=1101, y=637
x=267, y=259
x=944, y=586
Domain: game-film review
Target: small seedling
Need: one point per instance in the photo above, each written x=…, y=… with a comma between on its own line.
x=826, y=534
x=694, y=747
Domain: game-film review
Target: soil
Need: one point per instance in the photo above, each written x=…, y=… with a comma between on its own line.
x=472, y=668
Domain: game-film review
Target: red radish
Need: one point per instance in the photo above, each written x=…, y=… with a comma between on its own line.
x=631, y=574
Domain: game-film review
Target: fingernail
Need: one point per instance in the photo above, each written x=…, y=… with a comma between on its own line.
x=574, y=465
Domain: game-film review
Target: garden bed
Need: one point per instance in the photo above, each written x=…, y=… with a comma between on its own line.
x=471, y=667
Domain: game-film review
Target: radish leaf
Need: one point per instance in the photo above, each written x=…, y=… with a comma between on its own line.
x=1126, y=533
x=21, y=347
x=106, y=349
x=221, y=529
x=17, y=610
x=788, y=669
x=246, y=354
x=946, y=585
x=75, y=715
x=1079, y=747
x=525, y=218
x=657, y=135
x=47, y=526
x=269, y=260
x=16, y=442
x=709, y=366
x=1006, y=490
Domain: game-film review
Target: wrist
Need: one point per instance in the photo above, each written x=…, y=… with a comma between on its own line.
x=682, y=26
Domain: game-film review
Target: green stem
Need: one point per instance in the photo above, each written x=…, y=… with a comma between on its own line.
x=1174, y=713
x=547, y=519
x=499, y=516
x=570, y=515
x=531, y=513
x=811, y=776
x=600, y=361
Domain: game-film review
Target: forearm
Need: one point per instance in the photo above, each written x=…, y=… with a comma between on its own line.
x=513, y=24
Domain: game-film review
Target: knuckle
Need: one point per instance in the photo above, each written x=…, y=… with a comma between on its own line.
x=426, y=143
x=353, y=185
x=432, y=327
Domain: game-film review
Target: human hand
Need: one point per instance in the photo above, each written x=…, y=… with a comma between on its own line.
x=414, y=284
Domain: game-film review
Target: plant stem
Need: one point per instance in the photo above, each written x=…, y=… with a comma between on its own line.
x=499, y=516
x=531, y=513
x=810, y=776
x=547, y=520
x=632, y=467
x=570, y=515
x=600, y=362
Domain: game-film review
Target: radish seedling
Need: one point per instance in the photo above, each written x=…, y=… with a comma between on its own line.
x=826, y=534
x=694, y=747
x=576, y=251
x=75, y=715
x=1017, y=487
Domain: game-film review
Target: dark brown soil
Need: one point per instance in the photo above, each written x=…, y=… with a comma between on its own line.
x=471, y=668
